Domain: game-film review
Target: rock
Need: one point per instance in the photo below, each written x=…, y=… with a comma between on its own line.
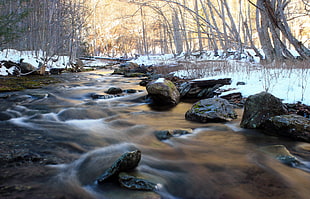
x=235, y=99
x=240, y=83
x=259, y=108
x=77, y=66
x=184, y=88
x=129, y=65
x=211, y=110
x=126, y=162
x=167, y=134
x=134, y=74
x=114, y=90
x=200, y=89
x=135, y=183
x=292, y=126
x=145, y=82
x=130, y=91
x=299, y=109
x=281, y=153
x=163, y=92
x=56, y=71
x=208, y=92
x=130, y=69
x=118, y=71
x=163, y=135
x=26, y=67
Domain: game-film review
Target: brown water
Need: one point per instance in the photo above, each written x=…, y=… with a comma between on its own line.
x=215, y=161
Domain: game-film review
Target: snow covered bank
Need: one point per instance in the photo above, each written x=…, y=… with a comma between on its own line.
x=289, y=83
x=33, y=58
x=37, y=58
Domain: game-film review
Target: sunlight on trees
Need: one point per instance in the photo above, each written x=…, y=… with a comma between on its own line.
x=129, y=27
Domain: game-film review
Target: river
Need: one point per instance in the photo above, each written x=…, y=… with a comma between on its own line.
x=80, y=135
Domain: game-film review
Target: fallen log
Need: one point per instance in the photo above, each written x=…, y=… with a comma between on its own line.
x=210, y=83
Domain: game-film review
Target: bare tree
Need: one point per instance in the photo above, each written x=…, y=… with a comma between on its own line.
x=271, y=17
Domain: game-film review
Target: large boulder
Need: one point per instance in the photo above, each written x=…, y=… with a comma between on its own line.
x=259, y=108
x=163, y=92
x=292, y=126
x=211, y=110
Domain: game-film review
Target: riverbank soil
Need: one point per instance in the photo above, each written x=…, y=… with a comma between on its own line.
x=14, y=83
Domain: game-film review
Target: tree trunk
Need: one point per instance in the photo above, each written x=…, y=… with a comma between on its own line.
x=262, y=25
x=198, y=26
x=178, y=41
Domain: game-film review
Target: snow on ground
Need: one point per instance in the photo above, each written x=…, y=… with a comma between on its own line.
x=166, y=59
x=33, y=58
x=290, y=84
x=37, y=58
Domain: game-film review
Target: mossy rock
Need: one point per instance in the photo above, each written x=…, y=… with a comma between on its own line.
x=211, y=110
x=163, y=92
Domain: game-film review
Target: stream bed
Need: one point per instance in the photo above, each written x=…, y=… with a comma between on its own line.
x=59, y=139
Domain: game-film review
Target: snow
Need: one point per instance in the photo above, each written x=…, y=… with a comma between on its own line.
x=287, y=83
x=160, y=80
x=31, y=57
x=155, y=60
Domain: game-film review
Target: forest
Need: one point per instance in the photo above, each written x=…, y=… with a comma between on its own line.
x=272, y=28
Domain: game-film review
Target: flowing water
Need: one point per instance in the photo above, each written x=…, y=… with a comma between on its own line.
x=215, y=161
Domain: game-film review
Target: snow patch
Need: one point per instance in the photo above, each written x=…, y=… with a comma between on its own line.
x=160, y=80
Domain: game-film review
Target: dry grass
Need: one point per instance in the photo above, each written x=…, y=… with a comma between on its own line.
x=268, y=76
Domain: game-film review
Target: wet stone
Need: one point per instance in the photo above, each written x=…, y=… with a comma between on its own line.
x=126, y=162
x=114, y=90
x=211, y=110
x=281, y=153
x=135, y=183
x=167, y=134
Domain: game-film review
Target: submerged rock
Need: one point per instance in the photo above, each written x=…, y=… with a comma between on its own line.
x=135, y=183
x=167, y=134
x=259, y=108
x=292, y=126
x=126, y=162
x=211, y=110
x=163, y=92
x=281, y=153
